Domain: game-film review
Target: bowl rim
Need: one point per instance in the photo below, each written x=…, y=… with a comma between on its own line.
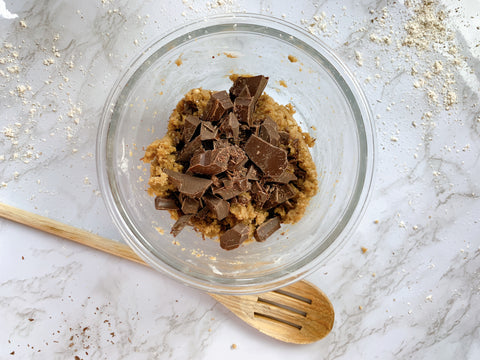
x=108, y=188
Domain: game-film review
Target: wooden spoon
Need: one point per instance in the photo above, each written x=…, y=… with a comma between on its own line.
x=299, y=313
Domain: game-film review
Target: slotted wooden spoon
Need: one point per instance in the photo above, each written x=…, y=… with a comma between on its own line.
x=299, y=313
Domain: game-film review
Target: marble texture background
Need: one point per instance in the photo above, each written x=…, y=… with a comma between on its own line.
x=413, y=294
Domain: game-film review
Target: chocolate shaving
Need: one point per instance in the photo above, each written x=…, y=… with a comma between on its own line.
x=188, y=185
x=267, y=229
x=165, y=203
x=234, y=237
x=238, y=158
x=269, y=158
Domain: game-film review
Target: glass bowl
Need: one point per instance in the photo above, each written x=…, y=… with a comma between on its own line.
x=329, y=105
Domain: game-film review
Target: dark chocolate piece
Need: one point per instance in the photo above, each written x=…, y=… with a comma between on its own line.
x=218, y=104
x=190, y=206
x=255, y=84
x=269, y=131
x=219, y=207
x=230, y=127
x=234, y=237
x=267, y=229
x=207, y=131
x=165, y=203
x=270, y=159
x=210, y=162
x=189, y=149
x=180, y=224
x=188, y=185
x=189, y=127
x=243, y=109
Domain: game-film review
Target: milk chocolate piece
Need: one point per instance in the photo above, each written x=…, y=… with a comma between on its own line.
x=189, y=127
x=234, y=237
x=210, y=162
x=284, y=137
x=190, y=206
x=255, y=84
x=232, y=187
x=243, y=109
x=269, y=131
x=279, y=195
x=260, y=194
x=230, y=127
x=238, y=158
x=189, y=149
x=244, y=92
x=267, y=229
x=219, y=207
x=252, y=173
x=218, y=104
x=188, y=185
x=165, y=203
x=270, y=159
x=207, y=131
x=180, y=224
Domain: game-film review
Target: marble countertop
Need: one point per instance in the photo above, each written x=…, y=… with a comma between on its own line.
x=413, y=294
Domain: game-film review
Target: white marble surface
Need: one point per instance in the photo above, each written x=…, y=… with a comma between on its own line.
x=413, y=294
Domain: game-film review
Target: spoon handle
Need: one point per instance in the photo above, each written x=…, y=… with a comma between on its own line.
x=68, y=232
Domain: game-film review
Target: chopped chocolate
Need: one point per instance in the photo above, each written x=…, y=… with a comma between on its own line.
x=260, y=194
x=180, y=224
x=238, y=158
x=243, y=109
x=202, y=214
x=188, y=185
x=284, y=137
x=252, y=173
x=244, y=92
x=218, y=104
x=269, y=158
x=233, y=238
x=230, y=127
x=189, y=149
x=232, y=187
x=210, y=162
x=269, y=131
x=255, y=84
x=189, y=127
x=279, y=195
x=165, y=203
x=190, y=206
x=219, y=207
x=267, y=229
x=207, y=131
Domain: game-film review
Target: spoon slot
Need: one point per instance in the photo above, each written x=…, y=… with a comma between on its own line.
x=283, y=306
x=294, y=296
x=273, y=318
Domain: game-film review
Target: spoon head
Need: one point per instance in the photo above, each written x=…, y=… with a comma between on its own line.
x=299, y=313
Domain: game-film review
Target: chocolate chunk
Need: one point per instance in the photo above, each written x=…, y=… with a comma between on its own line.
x=188, y=185
x=202, y=214
x=190, y=206
x=269, y=131
x=165, y=203
x=189, y=149
x=244, y=92
x=260, y=194
x=267, y=229
x=218, y=104
x=232, y=187
x=230, y=127
x=252, y=173
x=207, y=131
x=255, y=84
x=279, y=195
x=180, y=224
x=219, y=207
x=243, y=109
x=189, y=127
x=210, y=162
x=270, y=159
x=287, y=176
x=284, y=137
x=234, y=237
x=238, y=158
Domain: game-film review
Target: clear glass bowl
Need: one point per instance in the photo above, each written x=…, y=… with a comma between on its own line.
x=329, y=105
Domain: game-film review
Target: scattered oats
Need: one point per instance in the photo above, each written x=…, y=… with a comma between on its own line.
x=23, y=24
x=86, y=181
x=393, y=138
x=284, y=16
x=16, y=174
x=360, y=307
x=135, y=42
x=401, y=224
x=184, y=13
x=4, y=184
x=415, y=155
x=160, y=230
x=48, y=62
x=435, y=173
x=409, y=311
x=419, y=83
x=14, y=69
x=373, y=274
x=437, y=67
